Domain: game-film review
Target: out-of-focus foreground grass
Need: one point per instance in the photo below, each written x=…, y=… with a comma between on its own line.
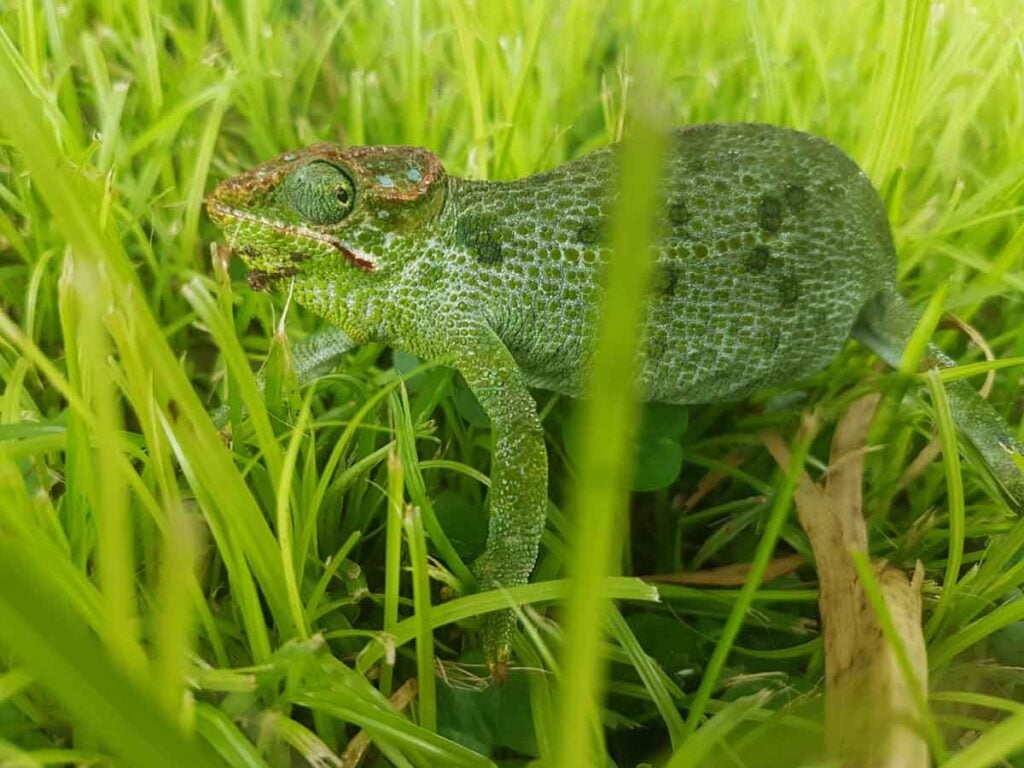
x=168, y=599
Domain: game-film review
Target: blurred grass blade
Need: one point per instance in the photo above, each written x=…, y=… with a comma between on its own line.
x=74, y=199
x=58, y=650
x=993, y=747
x=393, y=728
x=223, y=735
x=695, y=751
x=608, y=417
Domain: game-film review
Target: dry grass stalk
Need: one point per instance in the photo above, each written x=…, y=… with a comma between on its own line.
x=734, y=575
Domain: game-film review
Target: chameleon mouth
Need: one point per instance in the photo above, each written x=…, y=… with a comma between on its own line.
x=224, y=215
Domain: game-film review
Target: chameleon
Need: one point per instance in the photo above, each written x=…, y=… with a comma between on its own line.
x=773, y=249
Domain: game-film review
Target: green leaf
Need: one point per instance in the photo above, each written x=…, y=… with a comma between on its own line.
x=467, y=407
x=464, y=522
x=489, y=719
x=658, y=460
x=658, y=452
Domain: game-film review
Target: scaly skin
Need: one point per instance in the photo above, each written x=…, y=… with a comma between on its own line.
x=774, y=247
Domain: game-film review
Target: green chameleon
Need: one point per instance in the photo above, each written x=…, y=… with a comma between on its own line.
x=773, y=249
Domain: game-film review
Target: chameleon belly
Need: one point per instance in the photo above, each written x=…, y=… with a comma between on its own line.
x=771, y=243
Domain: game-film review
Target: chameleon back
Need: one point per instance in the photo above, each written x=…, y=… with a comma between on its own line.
x=772, y=241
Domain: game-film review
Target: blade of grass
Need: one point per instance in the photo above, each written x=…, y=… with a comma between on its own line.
x=284, y=518
x=427, y=684
x=387, y=727
x=223, y=735
x=73, y=198
x=406, y=441
x=956, y=514
x=392, y=554
x=653, y=678
x=602, y=490
x=765, y=549
x=615, y=588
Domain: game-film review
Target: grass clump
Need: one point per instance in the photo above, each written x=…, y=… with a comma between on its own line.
x=170, y=598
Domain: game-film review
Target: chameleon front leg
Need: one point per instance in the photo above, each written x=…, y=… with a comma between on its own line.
x=519, y=480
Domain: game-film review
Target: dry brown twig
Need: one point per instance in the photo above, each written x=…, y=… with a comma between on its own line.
x=870, y=706
x=360, y=743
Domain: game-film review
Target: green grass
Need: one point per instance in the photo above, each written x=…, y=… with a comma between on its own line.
x=170, y=599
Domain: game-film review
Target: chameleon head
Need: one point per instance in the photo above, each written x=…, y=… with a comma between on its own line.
x=327, y=206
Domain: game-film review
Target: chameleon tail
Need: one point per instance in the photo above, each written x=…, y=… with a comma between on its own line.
x=884, y=326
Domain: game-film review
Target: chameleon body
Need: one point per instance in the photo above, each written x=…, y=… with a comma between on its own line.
x=773, y=248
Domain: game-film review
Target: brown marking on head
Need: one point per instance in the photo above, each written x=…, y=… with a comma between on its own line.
x=381, y=188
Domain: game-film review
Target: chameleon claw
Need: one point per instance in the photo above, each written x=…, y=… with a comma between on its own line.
x=497, y=633
x=499, y=672
x=498, y=654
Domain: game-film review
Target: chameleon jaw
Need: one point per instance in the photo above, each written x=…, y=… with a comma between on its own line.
x=223, y=214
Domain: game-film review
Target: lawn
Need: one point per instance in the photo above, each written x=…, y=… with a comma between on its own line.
x=292, y=589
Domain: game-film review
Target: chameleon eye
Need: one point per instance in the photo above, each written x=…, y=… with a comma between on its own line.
x=319, y=192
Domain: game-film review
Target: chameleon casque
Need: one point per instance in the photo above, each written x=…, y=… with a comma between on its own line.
x=773, y=249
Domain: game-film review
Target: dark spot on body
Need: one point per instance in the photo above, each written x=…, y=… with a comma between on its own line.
x=262, y=280
x=769, y=214
x=796, y=197
x=589, y=233
x=789, y=289
x=757, y=258
x=173, y=410
x=488, y=251
x=299, y=256
x=678, y=213
x=478, y=234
